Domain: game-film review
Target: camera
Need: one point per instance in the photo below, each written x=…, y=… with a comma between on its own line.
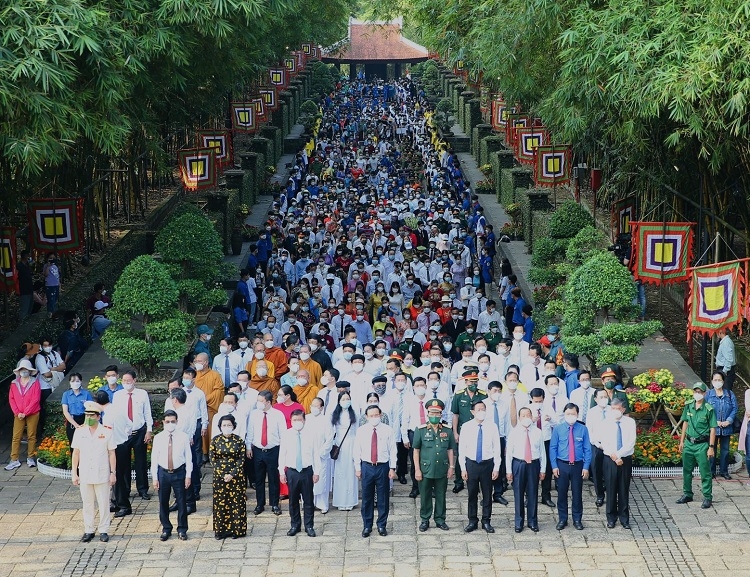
x=622, y=246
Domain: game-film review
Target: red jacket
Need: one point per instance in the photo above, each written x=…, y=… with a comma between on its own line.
x=28, y=402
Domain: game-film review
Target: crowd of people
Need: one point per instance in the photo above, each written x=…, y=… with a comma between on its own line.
x=367, y=351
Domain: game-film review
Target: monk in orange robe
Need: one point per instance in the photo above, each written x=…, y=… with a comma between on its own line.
x=307, y=392
x=276, y=355
x=260, y=381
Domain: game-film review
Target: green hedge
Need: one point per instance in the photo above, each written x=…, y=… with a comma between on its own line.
x=487, y=146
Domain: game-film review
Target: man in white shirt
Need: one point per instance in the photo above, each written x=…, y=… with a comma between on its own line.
x=487, y=316
x=556, y=397
x=514, y=398
x=375, y=459
x=519, y=352
x=497, y=413
x=119, y=424
x=244, y=352
x=229, y=407
x=227, y=364
x=533, y=369
x=480, y=456
x=135, y=404
x=525, y=452
x=487, y=372
x=595, y=421
x=415, y=414
x=618, y=445
x=262, y=441
x=171, y=468
x=545, y=418
x=582, y=395
x=196, y=400
x=328, y=394
x=299, y=466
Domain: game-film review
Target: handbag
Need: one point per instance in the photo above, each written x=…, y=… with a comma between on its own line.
x=336, y=449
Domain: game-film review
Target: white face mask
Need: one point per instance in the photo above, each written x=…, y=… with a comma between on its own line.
x=199, y=367
x=570, y=419
x=374, y=421
x=358, y=367
x=260, y=355
x=280, y=398
x=293, y=368
x=269, y=344
x=602, y=402
x=553, y=389
x=518, y=337
x=345, y=404
x=228, y=409
x=525, y=422
x=315, y=411
x=129, y=387
x=304, y=356
x=698, y=396
x=400, y=385
x=111, y=380
x=495, y=396
x=484, y=367
x=481, y=350
x=170, y=427
x=420, y=391
x=617, y=415
x=301, y=381
x=313, y=347
x=260, y=405
x=227, y=430
x=297, y=425
x=208, y=338
x=223, y=350
x=408, y=362
x=480, y=415
x=512, y=385
x=47, y=349
x=75, y=385
x=262, y=372
x=585, y=384
x=243, y=385
x=368, y=356
x=717, y=384
x=243, y=345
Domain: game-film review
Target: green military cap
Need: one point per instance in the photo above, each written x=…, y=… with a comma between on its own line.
x=421, y=248
x=435, y=403
x=470, y=373
x=493, y=324
x=700, y=386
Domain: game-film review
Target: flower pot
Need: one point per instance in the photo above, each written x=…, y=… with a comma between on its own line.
x=67, y=474
x=674, y=412
x=641, y=415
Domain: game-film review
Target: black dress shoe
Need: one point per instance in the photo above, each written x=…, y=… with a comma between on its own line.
x=534, y=528
x=145, y=496
x=112, y=508
x=366, y=532
x=599, y=501
x=402, y=479
x=87, y=537
x=293, y=531
x=610, y=525
x=684, y=499
x=488, y=528
x=500, y=499
x=190, y=510
x=561, y=525
x=471, y=527
x=626, y=525
x=578, y=525
x=103, y=537
x=706, y=504
x=413, y=494
x=310, y=531
x=442, y=526
x=173, y=508
x=182, y=536
x=519, y=529
x=258, y=510
x=220, y=536
x=123, y=513
x=458, y=488
x=727, y=476
x=383, y=532
x=549, y=502
x=165, y=535
x=197, y=496
x=276, y=510
x=424, y=525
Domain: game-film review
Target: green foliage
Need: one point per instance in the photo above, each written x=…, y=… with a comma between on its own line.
x=568, y=220
x=144, y=288
x=548, y=251
x=323, y=78
x=443, y=112
x=583, y=344
x=588, y=242
x=621, y=333
x=617, y=354
x=431, y=78
x=548, y=275
x=309, y=107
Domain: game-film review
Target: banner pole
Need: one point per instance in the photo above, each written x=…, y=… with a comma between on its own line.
x=661, y=264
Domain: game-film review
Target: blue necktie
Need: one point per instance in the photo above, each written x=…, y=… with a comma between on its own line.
x=325, y=403
x=619, y=436
x=299, y=451
x=479, y=445
x=226, y=372
x=497, y=416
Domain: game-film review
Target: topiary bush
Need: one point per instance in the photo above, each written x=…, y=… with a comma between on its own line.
x=147, y=327
x=548, y=251
x=568, y=220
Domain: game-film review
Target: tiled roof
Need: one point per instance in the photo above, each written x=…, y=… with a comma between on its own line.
x=379, y=40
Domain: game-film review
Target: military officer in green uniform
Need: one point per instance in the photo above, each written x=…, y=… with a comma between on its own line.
x=434, y=463
x=466, y=337
x=493, y=337
x=461, y=409
x=699, y=430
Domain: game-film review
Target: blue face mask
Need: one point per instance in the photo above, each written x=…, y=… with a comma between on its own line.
x=552, y=338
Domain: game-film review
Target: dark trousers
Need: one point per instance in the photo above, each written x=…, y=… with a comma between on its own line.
x=597, y=471
x=480, y=476
x=617, y=483
x=729, y=381
x=414, y=483
x=266, y=463
x=500, y=485
x=249, y=468
x=137, y=443
x=402, y=459
x=547, y=481
x=300, y=484
x=122, y=476
x=375, y=481
x=570, y=477
x=526, y=487
x=722, y=449
x=169, y=482
x=70, y=429
x=43, y=413
x=196, y=451
x=509, y=319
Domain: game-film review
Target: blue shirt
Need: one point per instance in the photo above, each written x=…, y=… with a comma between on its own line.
x=528, y=330
x=517, y=308
x=202, y=347
x=571, y=381
x=364, y=331
x=75, y=402
x=558, y=445
x=725, y=407
x=110, y=392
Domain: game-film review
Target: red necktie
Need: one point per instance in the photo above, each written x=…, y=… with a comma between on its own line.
x=130, y=407
x=527, y=449
x=264, y=431
x=571, y=446
x=539, y=418
x=421, y=413
x=374, y=447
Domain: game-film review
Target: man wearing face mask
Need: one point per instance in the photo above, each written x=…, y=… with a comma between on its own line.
x=609, y=380
x=595, y=421
x=262, y=440
x=226, y=363
x=699, y=430
x=201, y=345
x=583, y=394
x=570, y=455
x=414, y=415
x=135, y=403
x=498, y=416
x=461, y=410
x=434, y=460
x=618, y=438
x=318, y=351
x=300, y=466
x=375, y=463
x=229, y=407
x=208, y=381
x=306, y=363
x=528, y=461
x=519, y=351
x=479, y=454
x=111, y=375
x=276, y=355
x=319, y=427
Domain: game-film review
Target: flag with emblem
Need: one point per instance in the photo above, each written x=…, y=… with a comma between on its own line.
x=552, y=165
x=243, y=117
x=198, y=168
x=56, y=224
x=499, y=114
x=527, y=139
x=277, y=77
x=291, y=64
x=260, y=108
x=220, y=141
x=623, y=213
x=716, y=297
x=307, y=48
x=661, y=253
x=315, y=53
x=8, y=273
x=269, y=97
x=514, y=121
x=300, y=56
